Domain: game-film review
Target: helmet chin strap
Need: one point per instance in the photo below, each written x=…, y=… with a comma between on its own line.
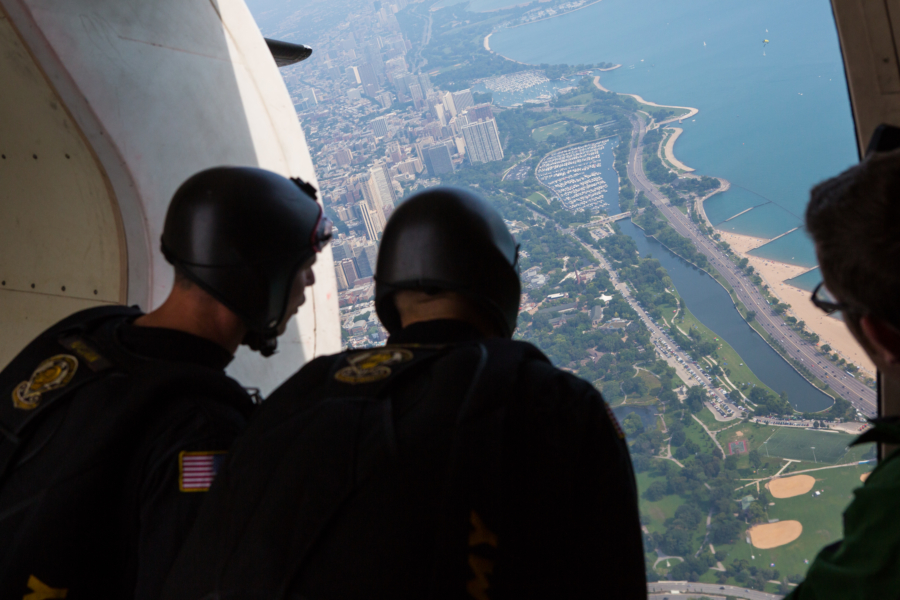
x=265, y=344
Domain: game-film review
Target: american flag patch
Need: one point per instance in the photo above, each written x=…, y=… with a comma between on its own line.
x=196, y=470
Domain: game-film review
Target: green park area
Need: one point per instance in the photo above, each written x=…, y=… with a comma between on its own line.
x=542, y=133
x=820, y=517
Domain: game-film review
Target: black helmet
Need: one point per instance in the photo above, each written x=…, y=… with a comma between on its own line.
x=447, y=238
x=241, y=234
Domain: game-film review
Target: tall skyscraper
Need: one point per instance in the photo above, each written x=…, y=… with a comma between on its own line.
x=425, y=83
x=438, y=161
x=364, y=267
x=309, y=94
x=367, y=75
x=379, y=127
x=349, y=270
x=483, y=141
x=462, y=100
x=447, y=101
x=415, y=92
x=339, y=275
x=352, y=74
x=340, y=250
x=382, y=178
x=370, y=220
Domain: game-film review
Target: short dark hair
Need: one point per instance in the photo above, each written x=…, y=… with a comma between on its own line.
x=854, y=219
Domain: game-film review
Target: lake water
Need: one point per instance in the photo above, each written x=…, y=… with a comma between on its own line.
x=712, y=305
x=774, y=119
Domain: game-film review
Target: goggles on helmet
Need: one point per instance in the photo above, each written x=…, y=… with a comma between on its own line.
x=322, y=232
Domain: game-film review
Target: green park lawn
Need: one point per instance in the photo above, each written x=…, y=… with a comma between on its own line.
x=798, y=444
x=709, y=419
x=538, y=198
x=695, y=432
x=657, y=512
x=542, y=133
x=655, y=111
x=820, y=516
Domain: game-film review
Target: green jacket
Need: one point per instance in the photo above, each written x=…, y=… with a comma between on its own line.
x=866, y=563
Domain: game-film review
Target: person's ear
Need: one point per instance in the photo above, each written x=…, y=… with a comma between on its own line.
x=883, y=337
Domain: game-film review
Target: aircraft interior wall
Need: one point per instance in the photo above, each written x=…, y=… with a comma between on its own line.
x=153, y=92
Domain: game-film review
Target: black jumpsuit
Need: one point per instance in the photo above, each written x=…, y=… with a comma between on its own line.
x=442, y=465
x=99, y=491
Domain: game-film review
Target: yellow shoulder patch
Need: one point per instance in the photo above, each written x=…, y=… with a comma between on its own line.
x=372, y=365
x=42, y=591
x=53, y=373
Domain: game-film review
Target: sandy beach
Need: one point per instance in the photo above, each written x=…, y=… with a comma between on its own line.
x=691, y=111
x=669, y=149
x=831, y=331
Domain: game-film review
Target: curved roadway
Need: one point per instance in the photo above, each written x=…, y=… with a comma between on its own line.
x=861, y=396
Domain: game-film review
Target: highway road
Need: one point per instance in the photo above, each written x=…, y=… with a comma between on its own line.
x=682, y=587
x=861, y=396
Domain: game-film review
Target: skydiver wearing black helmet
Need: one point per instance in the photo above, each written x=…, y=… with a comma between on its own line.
x=451, y=463
x=115, y=421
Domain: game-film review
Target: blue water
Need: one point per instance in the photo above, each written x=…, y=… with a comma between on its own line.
x=807, y=281
x=710, y=303
x=773, y=124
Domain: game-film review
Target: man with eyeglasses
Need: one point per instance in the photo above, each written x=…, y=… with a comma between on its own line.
x=854, y=220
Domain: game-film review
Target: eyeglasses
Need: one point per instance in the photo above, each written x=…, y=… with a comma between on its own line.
x=827, y=306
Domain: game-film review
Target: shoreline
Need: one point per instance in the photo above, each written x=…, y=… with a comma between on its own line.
x=669, y=150
x=775, y=274
x=558, y=15
x=691, y=110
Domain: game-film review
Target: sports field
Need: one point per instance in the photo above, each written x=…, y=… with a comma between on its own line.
x=803, y=444
x=820, y=517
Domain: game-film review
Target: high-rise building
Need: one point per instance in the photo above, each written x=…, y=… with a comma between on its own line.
x=425, y=83
x=462, y=100
x=402, y=81
x=339, y=275
x=385, y=99
x=370, y=220
x=415, y=92
x=353, y=94
x=367, y=75
x=439, y=161
x=349, y=270
x=447, y=101
x=343, y=157
x=340, y=250
x=363, y=266
x=309, y=94
x=382, y=178
x=483, y=141
x=379, y=127
x=352, y=75
x=480, y=112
